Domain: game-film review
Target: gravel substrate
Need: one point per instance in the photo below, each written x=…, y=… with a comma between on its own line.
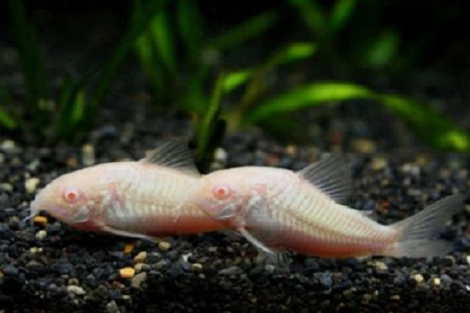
x=48, y=267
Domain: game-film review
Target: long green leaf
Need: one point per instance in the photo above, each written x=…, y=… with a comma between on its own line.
x=162, y=36
x=341, y=14
x=208, y=133
x=434, y=128
x=245, y=31
x=307, y=96
x=312, y=16
x=383, y=49
x=293, y=53
x=190, y=27
x=30, y=53
x=235, y=80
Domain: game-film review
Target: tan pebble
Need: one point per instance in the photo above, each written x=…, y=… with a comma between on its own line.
x=364, y=146
x=436, y=282
x=71, y=162
x=127, y=272
x=196, y=267
x=40, y=235
x=6, y=187
x=139, y=258
x=164, y=246
x=395, y=297
x=41, y=220
x=378, y=164
x=138, y=280
x=128, y=248
x=88, y=152
x=1, y=274
x=139, y=267
x=381, y=266
x=73, y=282
x=468, y=259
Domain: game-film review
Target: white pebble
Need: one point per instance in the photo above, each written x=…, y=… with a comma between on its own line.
x=381, y=266
x=76, y=290
x=419, y=278
x=40, y=235
x=7, y=145
x=112, y=307
x=220, y=155
x=88, y=155
x=31, y=184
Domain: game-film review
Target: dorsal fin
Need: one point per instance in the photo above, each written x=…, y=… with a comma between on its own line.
x=173, y=154
x=332, y=175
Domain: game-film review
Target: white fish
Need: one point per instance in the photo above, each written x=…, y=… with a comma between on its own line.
x=281, y=210
x=142, y=199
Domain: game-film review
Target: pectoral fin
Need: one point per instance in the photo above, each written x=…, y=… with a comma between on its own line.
x=258, y=244
x=124, y=233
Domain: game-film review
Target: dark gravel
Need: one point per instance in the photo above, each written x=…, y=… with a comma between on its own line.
x=52, y=268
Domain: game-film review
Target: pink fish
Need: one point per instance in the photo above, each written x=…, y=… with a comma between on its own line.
x=280, y=210
x=139, y=199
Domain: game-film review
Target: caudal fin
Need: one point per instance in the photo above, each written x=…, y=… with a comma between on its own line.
x=418, y=232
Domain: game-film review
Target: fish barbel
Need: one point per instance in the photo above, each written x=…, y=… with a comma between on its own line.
x=280, y=210
x=141, y=199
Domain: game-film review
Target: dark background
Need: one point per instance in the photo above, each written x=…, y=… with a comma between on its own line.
x=439, y=28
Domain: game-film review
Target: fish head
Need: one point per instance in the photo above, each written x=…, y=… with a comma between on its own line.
x=71, y=198
x=219, y=196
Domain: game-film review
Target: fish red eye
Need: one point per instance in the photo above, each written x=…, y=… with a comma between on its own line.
x=71, y=194
x=221, y=192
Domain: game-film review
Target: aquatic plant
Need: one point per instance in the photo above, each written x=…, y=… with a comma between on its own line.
x=79, y=101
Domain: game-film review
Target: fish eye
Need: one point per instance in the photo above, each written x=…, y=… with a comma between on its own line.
x=71, y=194
x=221, y=192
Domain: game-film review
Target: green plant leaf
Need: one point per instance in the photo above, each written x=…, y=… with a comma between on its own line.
x=6, y=121
x=292, y=53
x=312, y=15
x=235, y=80
x=31, y=57
x=307, y=96
x=245, y=31
x=190, y=27
x=341, y=14
x=383, y=49
x=437, y=130
x=162, y=36
x=150, y=65
x=111, y=67
x=210, y=130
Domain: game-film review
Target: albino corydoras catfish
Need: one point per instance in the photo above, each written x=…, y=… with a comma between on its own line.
x=141, y=199
x=280, y=210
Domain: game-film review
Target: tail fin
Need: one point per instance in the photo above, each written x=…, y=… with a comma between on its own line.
x=418, y=232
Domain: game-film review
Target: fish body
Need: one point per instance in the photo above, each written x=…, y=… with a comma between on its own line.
x=146, y=198
x=281, y=210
